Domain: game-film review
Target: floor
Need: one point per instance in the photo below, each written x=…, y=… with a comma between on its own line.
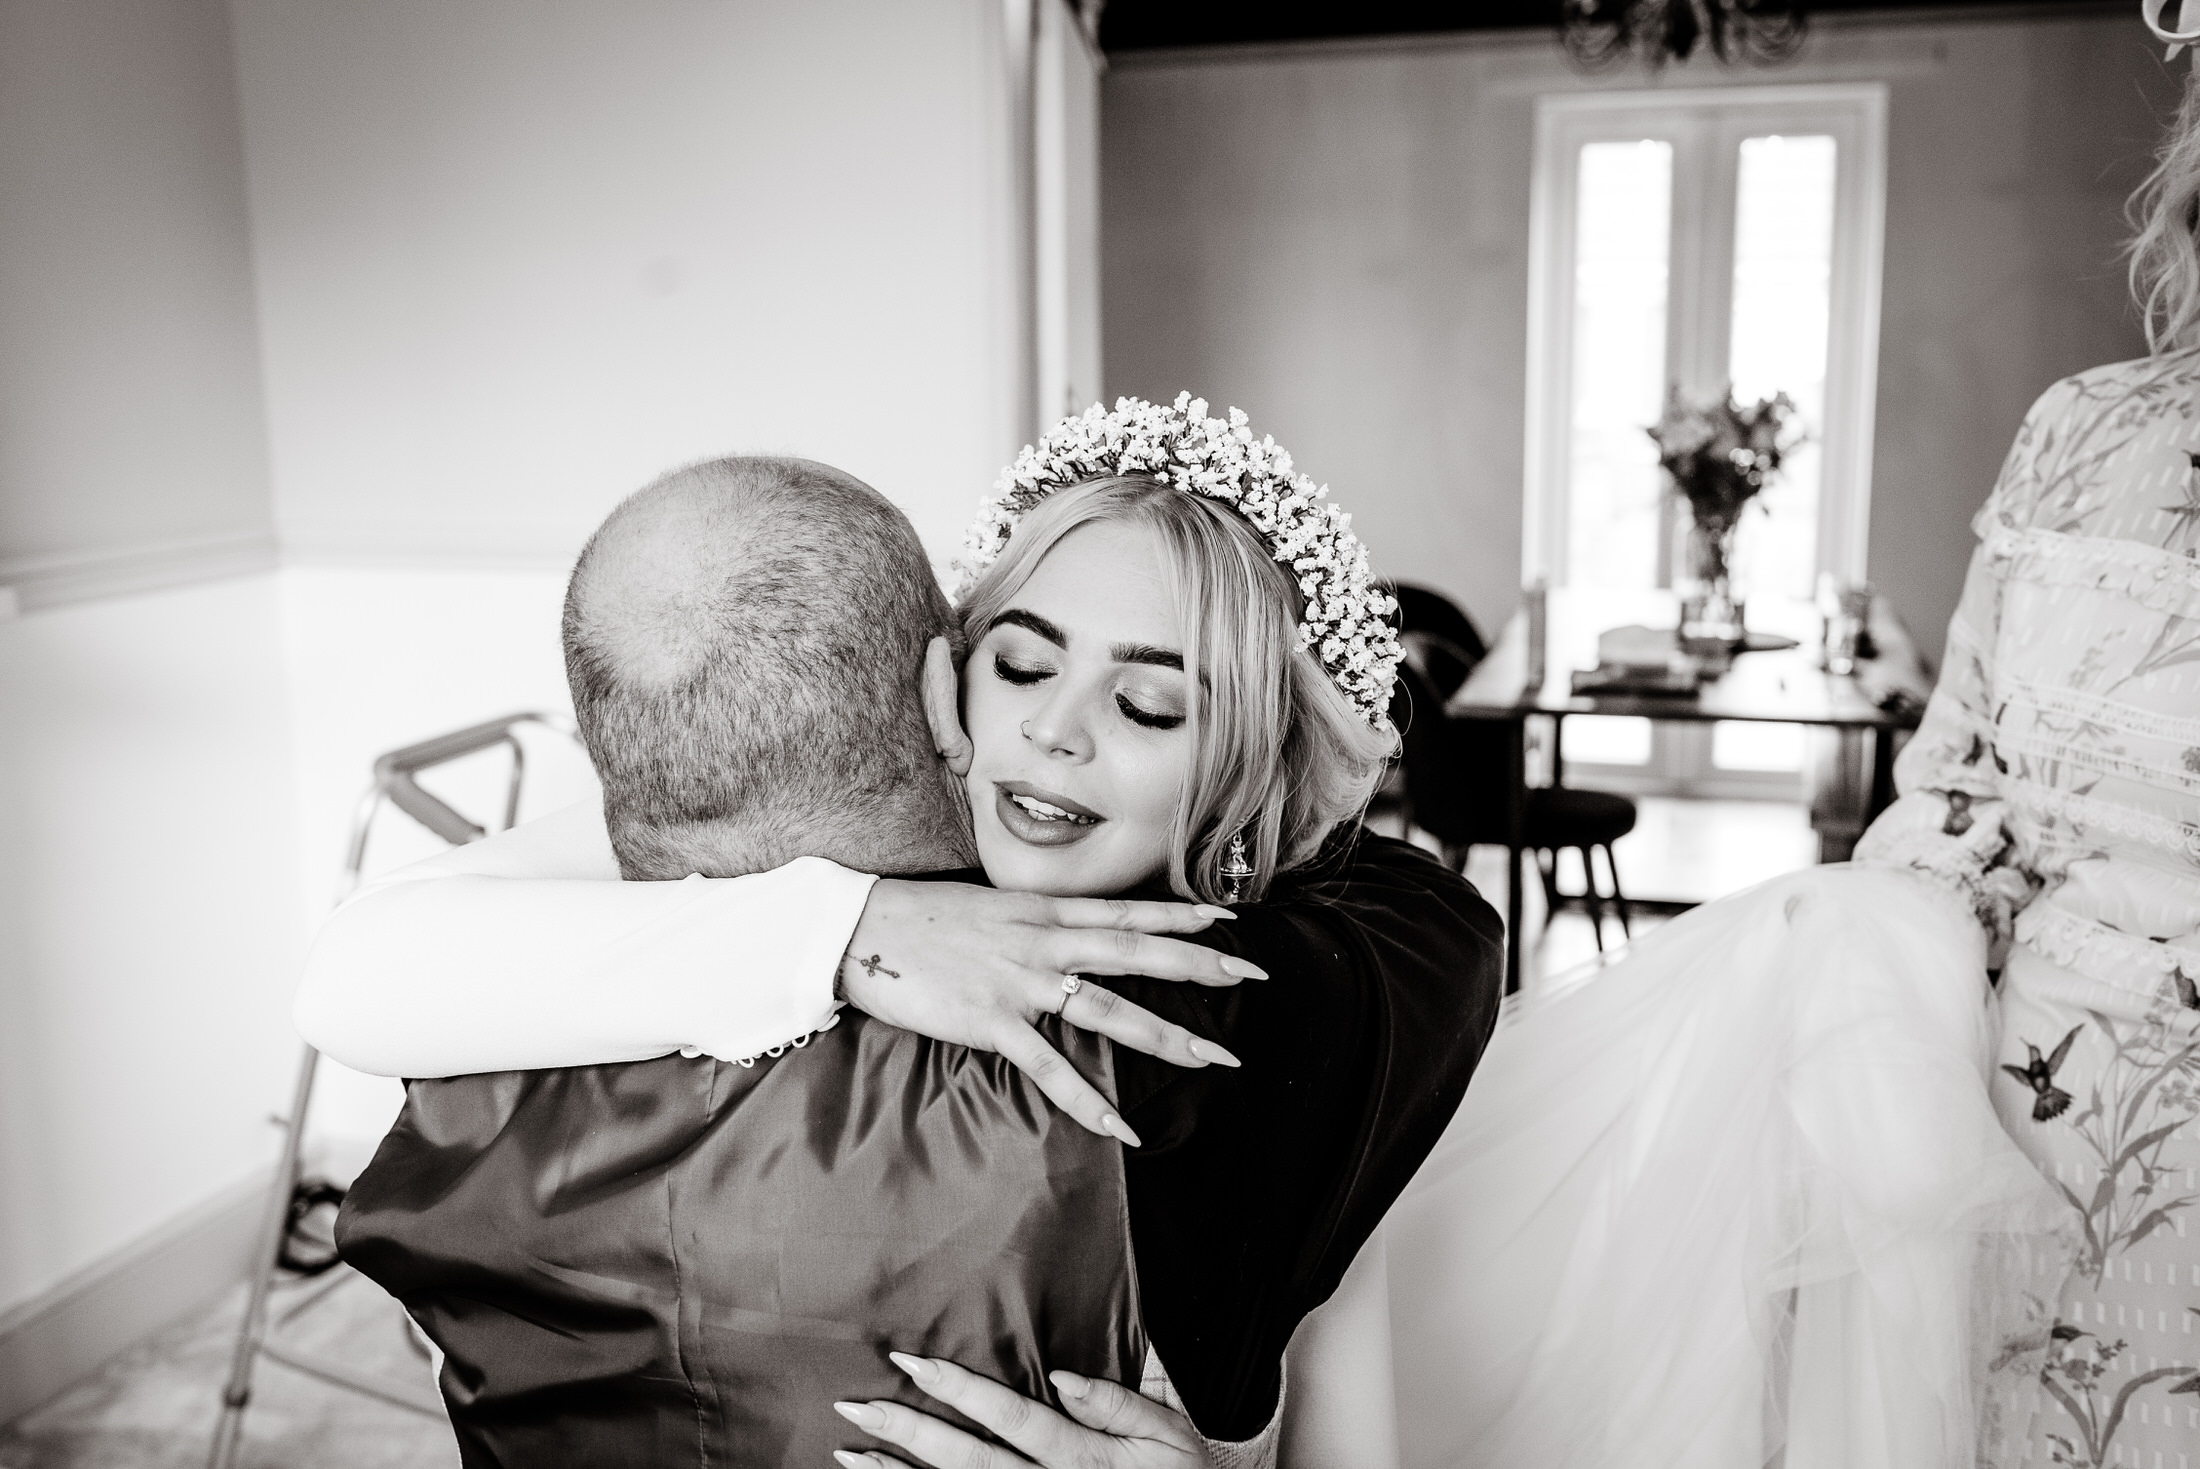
x=155, y=1407
x=1679, y=852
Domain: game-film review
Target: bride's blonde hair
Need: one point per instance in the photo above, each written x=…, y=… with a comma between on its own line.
x=2165, y=253
x=1281, y=756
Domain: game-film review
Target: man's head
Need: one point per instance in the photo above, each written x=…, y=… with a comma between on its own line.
x=744, y=639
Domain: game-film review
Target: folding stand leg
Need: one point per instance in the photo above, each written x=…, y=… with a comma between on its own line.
x=274, y=1219
x=393, y=781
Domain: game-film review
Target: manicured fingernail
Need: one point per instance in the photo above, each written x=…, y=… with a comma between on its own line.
x=862, y=1415
x=1116, y=1127
x=1242, y=968
x=921, y=1368
x=847, y=1460
x=1209, y=910
x=1209, y=1051
x=1069, y=1384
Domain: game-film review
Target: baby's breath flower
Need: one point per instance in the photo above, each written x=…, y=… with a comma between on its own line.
x=1345, y=619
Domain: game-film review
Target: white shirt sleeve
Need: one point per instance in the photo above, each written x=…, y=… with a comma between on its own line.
x=526, y=951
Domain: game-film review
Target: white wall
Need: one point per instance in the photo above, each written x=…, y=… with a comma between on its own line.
x=1335, y=239
x=150, y=925
x=518, y=256
x=129, y=381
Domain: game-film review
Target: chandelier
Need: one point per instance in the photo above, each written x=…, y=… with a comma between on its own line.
x=1601, y=33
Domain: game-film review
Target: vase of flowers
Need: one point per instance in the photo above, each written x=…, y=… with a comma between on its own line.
x=1710, y=610
x=1718, y=456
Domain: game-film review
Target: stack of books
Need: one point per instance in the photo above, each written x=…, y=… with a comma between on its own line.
x=1641, y=660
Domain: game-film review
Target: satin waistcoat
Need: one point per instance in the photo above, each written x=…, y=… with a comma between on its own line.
x=682, y=1261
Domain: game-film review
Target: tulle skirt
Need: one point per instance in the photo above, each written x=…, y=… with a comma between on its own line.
x=1738, y=1196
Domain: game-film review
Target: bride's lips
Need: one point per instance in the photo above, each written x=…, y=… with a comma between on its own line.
x=1040, y=831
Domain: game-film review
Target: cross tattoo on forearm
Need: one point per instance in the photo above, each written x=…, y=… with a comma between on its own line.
x=874, y=968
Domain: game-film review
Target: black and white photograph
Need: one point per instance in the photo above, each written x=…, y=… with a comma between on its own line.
x=1099, y=734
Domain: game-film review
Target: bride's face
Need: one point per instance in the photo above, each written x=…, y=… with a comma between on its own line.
x=1074, y=700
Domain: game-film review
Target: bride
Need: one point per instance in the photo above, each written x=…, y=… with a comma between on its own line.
x=1178, y=682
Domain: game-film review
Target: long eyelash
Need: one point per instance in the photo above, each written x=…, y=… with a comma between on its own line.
x=1146, y=717
x=1008, y=672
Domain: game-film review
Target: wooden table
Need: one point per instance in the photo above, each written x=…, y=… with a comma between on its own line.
x=1512, y=685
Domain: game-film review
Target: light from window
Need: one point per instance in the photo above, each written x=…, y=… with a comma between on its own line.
x=1606, y=739
x=1623, y=229
x=1783, y=303
x=1749, y=746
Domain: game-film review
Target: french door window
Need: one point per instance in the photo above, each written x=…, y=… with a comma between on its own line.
x=1697, y=239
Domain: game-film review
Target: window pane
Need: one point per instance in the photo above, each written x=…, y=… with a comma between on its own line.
x=1622, y=229
x=1771, y=747
x=1604, y=739
x=1783, y=275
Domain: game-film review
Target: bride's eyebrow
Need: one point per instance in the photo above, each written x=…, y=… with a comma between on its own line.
x=1145, y=653
x=1030, y=622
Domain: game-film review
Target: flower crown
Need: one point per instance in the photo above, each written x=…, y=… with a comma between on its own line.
x=1345, y=618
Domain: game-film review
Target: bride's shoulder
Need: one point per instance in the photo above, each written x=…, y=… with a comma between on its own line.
x=1354, y=852
x=1366, y=879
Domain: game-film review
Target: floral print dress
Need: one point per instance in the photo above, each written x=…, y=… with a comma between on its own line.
x=2055, y=784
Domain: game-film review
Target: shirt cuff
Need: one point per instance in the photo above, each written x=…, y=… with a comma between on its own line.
x=796, y=922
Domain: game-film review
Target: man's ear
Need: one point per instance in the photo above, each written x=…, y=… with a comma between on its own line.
x=943, y=707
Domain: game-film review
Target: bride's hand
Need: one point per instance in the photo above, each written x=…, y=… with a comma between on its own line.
x=976, y=966
x=1120, y=1429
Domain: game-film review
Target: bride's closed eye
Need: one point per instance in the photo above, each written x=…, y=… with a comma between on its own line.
x=1150, y=718
x=1008, y=671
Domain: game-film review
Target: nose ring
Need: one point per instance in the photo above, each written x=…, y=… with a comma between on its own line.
x=1027, y=729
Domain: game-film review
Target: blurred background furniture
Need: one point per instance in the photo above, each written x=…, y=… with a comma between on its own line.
x=1515, y=683
x=1464, y=781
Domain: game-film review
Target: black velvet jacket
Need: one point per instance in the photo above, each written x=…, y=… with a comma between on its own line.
x=1257, y=1186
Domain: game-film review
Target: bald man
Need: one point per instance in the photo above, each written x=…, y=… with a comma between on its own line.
x=686, y=1260
x=742, y=639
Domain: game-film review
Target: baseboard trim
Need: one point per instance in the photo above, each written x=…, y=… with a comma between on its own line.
x=66, y=1333
x=32, y=583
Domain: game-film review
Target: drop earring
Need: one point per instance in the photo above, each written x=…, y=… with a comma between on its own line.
x=1235, y=869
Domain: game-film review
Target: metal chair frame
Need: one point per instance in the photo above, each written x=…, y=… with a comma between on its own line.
x=395, y=782
x=1588, y=900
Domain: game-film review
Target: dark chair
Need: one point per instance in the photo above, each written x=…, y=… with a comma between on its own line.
x=1440, y=638
x=1421, y=610
x=1455, y=790
x=1587, y=821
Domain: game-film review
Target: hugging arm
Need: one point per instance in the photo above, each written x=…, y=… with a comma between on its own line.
x=525, y=951
x=1258, y=1188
